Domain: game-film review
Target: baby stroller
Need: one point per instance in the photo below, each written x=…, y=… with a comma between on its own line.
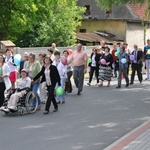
x=24, y=104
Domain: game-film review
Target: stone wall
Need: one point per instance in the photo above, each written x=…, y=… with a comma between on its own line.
x=37, y=50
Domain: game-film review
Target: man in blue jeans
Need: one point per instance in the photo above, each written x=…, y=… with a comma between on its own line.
x=123, y=67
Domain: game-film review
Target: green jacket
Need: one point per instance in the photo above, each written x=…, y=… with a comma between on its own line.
x=36, y=68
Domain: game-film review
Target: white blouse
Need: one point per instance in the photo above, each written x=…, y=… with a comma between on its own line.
x=23, y=83
x=47, y=77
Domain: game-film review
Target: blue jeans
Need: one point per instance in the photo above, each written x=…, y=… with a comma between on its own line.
x=115, y=69
x=58, y=98
x=35, y=87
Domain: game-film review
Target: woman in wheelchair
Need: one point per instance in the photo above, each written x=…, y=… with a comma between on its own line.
x=22, y=84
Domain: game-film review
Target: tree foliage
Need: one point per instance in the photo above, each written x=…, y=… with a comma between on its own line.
x=39, y=23
x=107, y=4
x=15, y=17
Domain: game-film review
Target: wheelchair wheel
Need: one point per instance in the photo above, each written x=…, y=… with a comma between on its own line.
x=6, y=113
x=21, y=112
x=31, y=102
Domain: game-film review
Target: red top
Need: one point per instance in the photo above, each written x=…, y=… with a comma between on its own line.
x=113, y=55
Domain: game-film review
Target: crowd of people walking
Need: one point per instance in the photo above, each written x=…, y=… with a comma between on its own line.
x=53, y=69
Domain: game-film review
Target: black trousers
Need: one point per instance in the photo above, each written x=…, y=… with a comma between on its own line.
x=92, y=70
x=51, y=98
x=2, y=97
x=68, y=85
x=138, y=68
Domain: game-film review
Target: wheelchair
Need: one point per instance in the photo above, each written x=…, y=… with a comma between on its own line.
x=25, y=103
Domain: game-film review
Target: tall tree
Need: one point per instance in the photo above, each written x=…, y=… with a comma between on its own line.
x=15, y=17
x=39, y=23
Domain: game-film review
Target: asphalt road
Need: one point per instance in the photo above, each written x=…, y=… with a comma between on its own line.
x=91, y=121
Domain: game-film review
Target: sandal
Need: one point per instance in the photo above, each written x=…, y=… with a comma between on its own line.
x=100, y=85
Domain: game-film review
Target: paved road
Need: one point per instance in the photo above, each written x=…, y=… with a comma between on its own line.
x=92, y=121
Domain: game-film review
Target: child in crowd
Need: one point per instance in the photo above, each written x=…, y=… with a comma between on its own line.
x=62, y=69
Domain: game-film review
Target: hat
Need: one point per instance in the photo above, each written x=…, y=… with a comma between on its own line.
x=24, y=70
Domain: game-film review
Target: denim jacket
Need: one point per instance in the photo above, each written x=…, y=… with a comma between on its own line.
x=120, y=56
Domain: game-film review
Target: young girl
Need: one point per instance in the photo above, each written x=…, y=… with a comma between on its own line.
x=62, y=69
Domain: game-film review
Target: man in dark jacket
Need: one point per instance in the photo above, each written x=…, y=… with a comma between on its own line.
x=136, y=64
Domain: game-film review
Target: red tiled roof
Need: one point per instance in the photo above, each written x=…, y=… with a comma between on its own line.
x=139, y=9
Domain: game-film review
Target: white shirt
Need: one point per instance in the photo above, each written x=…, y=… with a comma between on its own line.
x=93, y=61
x=9, y=60
x=62, y=69
x=47, y=76
x=23, y=83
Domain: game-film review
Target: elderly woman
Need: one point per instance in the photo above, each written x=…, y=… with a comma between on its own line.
x=22, y=83
x=5, y=83
x=33, y=67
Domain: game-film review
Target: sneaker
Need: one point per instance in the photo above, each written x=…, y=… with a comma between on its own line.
x=89, y=84
x=131, y=83
x=3, y=107
x=12, y=108
x=63, y=102
x=58, y=102
x=5, y=110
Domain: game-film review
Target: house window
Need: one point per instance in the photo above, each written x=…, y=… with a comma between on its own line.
x=87, y=12
x=83, y=30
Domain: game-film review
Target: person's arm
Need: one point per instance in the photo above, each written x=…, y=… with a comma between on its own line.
x=39, y=74
x=6, y=71
x=70, y=59
x=38, y=66
x=85, y=65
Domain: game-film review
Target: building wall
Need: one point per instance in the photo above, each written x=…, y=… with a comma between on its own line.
x=135, y=34
x=117, y=28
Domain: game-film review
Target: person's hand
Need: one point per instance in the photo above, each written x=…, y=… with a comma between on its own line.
x=107, y=63
x=85, y=71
